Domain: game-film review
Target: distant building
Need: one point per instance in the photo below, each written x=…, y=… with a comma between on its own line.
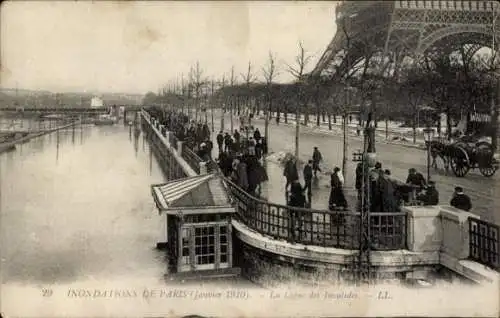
x=96, y=102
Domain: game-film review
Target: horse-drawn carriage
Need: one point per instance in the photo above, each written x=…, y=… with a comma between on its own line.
x=464, y=154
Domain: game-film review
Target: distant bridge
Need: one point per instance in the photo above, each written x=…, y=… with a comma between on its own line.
x=57, y=110
x=69, y=110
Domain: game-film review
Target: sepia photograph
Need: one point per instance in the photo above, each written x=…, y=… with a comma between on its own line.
x=249, y=158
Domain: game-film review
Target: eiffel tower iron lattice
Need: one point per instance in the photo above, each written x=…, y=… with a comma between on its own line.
x=407, y=28
x=399, y=29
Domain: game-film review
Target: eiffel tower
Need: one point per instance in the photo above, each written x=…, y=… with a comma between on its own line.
x=408, y=28
x=399, y=29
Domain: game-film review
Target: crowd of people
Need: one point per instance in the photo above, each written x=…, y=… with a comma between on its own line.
x=240, y=156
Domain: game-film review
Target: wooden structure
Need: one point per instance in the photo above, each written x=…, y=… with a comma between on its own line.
x=198, y=214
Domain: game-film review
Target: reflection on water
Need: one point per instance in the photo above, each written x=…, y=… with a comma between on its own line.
x=76, y=205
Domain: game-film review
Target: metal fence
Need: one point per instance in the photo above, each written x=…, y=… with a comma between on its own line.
x=339, y=229
x=191, y=158
x=483, y=242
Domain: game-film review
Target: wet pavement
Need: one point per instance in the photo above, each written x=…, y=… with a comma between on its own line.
x=484, y=192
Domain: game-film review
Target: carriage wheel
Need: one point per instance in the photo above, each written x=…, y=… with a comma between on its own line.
x=460, y=162
x=488, y=171
x=486, y=162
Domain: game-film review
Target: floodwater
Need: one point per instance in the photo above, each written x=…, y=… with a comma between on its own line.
x=76, y=205
x=78, y=230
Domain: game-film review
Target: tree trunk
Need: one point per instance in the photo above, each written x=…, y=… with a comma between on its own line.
x=334, y=118
x=297, y=131
x=306, y=115
x=223, y=112
x=286, y=112
x=317, y=114
x=278, y=115
x=330, y=121
x=448, y=122
x=231, y=114
x=266, y=123
x=386, y=128
x=414, y=125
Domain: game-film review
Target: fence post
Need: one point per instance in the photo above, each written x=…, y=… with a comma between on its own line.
x=203, y=167
x=179, y=147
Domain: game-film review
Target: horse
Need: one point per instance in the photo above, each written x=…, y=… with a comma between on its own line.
x=442, y=150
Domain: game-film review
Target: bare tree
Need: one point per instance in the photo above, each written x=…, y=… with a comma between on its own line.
x=248, y=78
x=212, y=101
x=232, y=82
x=222, y=101
x=270, y=74
x=298, y=72
x=197, y=82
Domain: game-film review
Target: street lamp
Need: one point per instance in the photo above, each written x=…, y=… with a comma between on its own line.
x=345, y=131
x=428, y=136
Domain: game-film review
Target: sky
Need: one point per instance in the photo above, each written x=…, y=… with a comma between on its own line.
x=135, y=47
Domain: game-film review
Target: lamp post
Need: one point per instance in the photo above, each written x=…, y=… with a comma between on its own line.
x=428, y=135
x=345, y=131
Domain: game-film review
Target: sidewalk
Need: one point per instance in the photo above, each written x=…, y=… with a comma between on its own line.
x=337, y=130
x=274, y=189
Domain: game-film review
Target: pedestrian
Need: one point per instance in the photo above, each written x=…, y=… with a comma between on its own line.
x=251, y=146
x=431, y=195
x=210, y=146
x=415, y=178
x=317, y=158
x=253, y=174
x=337, y=198
x=220, y=141
x=290, y=172
x=262, y=176
x=258, y=149
x=461, y=200
x=256, y=134
x=264, y=146
x=236, y=136
x=308, y=175
x=242, y=174
x=388, y=200
x=228, y=142
x=297, y=198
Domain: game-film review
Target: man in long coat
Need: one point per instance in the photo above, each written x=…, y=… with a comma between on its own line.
x=290, y=172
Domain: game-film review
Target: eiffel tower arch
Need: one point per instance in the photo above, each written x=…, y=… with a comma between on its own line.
x=407, y=28
x=398, y=29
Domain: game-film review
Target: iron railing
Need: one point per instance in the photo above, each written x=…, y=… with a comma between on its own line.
x=339, y=229
x=191, y=158
x=483, y=242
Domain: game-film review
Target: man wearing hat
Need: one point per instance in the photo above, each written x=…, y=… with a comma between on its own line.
x=431, y=195
x=461, y=200
x=415, y=178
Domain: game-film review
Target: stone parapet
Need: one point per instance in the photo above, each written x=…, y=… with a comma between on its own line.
x=455, y=229
x=424, y=232
x=437, y=237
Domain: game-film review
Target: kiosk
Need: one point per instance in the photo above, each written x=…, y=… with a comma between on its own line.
x=197, y=213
